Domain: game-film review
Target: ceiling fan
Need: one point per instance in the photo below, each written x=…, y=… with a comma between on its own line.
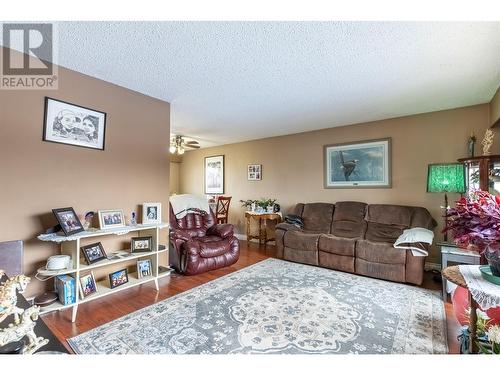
x=178, y=144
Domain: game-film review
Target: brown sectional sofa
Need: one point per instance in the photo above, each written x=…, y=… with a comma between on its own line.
x=355, y=237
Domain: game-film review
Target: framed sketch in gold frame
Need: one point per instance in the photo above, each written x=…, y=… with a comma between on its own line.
x=364, y=164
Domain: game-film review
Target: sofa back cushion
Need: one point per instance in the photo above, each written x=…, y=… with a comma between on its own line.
x=386, y=222
x=348, y=219
x=317, y=217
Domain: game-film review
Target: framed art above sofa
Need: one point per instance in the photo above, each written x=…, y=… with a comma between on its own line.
x=358, y=164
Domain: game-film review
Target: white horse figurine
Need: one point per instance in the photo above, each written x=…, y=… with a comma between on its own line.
x=15, y=332
x=8, y=296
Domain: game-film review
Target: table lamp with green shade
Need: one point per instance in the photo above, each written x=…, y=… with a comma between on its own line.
x=446, y=178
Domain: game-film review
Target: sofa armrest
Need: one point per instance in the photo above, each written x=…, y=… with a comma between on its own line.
x=179, y=234
x=286, y=226
x=222, y=230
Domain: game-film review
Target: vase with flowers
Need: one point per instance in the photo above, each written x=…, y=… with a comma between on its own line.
x=475, y=224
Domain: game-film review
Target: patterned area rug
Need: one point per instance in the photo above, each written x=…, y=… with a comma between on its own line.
x=280, y=307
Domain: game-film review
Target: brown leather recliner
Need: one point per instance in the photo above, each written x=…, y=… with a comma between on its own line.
x=199, y=245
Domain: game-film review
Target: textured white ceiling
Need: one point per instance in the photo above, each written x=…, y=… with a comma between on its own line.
x=235, y=81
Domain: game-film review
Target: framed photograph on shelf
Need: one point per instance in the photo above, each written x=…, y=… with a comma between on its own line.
x=358, y=165
x=118, y=278
x=141, y=244
x=74, y=125
x=68, y=220
x=214, y=174
x=88, y=285
x=144, y=268
x=111, y=219
x=254, y=172
x=93, y=253
x=151, y=213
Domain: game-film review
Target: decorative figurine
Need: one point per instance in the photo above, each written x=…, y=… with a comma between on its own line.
x=8, y=296
x=26, y=327
x=487, y=142
x=133, y=219
x=24, y=320
x=87, y=221
x=471, y=143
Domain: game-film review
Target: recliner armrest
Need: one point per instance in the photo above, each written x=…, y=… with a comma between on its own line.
x=179, y=234
x=222, y=230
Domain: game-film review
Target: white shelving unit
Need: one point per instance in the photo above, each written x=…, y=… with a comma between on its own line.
x=70, y=245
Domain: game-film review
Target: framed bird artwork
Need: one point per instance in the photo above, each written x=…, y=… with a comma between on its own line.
x=364, y=164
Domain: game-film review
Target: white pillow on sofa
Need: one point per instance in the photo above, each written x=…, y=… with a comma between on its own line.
x=416, y=240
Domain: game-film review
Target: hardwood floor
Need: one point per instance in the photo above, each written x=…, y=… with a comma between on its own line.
x=104, y=310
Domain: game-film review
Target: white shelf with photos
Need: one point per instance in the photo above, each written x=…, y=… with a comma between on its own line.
x=71, y=245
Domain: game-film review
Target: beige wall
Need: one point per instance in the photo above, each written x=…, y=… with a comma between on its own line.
x=37, y=176
x=174, y=178
x=495, y=108
x=293, y=164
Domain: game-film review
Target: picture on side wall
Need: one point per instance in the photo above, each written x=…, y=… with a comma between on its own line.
x=141, y=244
x=73, y=125
x=361, y=164
x=214, y=174
x=254, y=172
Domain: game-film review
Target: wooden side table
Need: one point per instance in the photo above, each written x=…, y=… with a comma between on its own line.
x=454, y=275
x=450, y=253
x=262, y=219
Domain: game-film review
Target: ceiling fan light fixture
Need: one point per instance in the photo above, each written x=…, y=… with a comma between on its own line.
x=180, y=150
x=172, y=149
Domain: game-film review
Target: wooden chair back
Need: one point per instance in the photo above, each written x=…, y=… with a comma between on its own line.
x=222, y=209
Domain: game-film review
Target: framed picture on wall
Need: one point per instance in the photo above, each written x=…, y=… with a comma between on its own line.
x=358, y=165
x=73, y=125
x=214, y=174
x=254, y=172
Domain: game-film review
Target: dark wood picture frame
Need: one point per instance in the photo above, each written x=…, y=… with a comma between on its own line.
x=45, y=114
x=134, y=249
x=219, y=192
x=113, y=275
x=85, y=253
x=58, y=211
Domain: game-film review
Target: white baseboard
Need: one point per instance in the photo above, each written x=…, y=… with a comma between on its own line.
x=240, y=236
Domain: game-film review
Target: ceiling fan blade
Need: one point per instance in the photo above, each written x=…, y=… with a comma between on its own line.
x=192, y=146
x=192, y=143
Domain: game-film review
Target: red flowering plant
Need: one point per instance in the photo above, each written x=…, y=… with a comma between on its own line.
x=475, y=221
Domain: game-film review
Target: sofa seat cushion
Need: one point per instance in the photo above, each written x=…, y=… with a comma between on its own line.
x=301, y=240
x=379, y=252
x=336, y=261
x=337, y=245
x=392, y=272
x=301, y=256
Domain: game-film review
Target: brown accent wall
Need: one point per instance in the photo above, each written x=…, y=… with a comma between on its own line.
x=36, y=176
x=293, y=164
x=495, y=109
